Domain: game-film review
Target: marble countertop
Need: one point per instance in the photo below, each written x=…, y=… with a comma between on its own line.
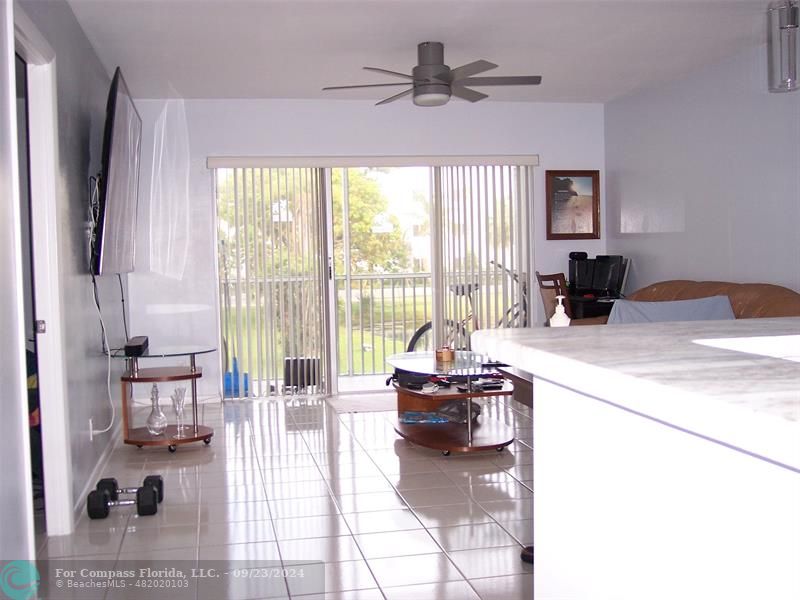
x=748, y=401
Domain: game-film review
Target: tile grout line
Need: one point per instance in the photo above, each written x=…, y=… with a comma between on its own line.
x=258, y=458
x=336, y=500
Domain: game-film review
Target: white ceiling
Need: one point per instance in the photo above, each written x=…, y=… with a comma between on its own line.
x=585, y=51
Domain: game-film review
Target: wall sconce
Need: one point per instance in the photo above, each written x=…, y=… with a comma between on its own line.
x=782, y=29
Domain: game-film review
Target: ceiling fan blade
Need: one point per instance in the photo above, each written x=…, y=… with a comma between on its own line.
x=466, y=94
x=388, y=72
x=509, y=80
x=368, y=85
x=395, y=97
x=473, y=68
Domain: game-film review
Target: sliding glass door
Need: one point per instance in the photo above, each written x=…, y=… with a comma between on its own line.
x=325, y=271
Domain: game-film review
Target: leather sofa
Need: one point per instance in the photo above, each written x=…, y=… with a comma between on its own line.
x=748, y=300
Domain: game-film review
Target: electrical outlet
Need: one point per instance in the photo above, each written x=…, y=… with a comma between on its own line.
x=91, y=429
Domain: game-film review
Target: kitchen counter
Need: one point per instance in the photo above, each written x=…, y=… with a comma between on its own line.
x=746, y=400
x=663, y=468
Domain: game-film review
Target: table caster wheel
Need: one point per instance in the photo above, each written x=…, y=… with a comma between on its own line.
x=207, y=441
x=172, y=448
x=500, y=449
x=445, y=452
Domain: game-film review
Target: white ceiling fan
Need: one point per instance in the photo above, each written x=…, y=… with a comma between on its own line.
x=433, y=82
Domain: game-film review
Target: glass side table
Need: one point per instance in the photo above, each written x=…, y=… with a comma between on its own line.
x=171, y=437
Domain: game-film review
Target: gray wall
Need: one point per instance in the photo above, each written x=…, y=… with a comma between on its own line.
x=16, y=533
x=82, y=89
x=703, y=178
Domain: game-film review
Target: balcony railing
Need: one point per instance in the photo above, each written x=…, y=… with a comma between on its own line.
x=377, y=315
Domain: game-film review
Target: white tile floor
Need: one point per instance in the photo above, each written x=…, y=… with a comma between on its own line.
x=295, y=481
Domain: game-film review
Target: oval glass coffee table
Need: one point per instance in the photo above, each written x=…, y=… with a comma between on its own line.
x=486, y=433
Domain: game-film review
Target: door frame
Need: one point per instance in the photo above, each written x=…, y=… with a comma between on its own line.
x=43, y=150
x=328, y=283
x=16, y=536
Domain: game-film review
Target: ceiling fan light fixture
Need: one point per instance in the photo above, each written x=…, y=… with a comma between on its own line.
x=431, y=99
x=431, y=94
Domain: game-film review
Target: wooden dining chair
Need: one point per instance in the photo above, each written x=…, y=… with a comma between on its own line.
x=551, y=286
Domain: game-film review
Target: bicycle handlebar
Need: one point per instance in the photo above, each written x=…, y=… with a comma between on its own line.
x=514, y=275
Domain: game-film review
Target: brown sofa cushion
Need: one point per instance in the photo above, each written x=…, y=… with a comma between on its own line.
x=749, y=300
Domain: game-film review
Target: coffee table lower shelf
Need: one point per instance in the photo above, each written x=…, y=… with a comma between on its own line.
x=487, y=434
x=139, y=436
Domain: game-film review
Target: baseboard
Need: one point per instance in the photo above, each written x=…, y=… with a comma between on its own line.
x=80, y=501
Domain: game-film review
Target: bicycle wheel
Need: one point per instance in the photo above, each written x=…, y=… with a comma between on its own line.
x=422, y=339
x=455, y=337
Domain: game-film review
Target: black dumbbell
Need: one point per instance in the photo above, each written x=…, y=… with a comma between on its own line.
x=99, y=502
x=110, y=485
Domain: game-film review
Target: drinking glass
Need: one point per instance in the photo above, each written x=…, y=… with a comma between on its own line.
x=178, y=401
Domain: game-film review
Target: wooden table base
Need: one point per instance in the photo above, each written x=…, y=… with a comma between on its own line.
x=139, y=436
x=487, y=434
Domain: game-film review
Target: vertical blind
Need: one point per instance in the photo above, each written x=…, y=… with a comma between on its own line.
x=484, y=216
x=271, y=236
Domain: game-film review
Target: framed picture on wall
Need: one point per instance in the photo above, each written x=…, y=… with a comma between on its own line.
x=573, y=205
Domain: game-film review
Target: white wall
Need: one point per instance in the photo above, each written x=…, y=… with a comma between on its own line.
x=565, y=136
x=703, y=178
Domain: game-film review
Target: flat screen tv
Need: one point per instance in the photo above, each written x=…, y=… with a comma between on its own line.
x=114, y=244
x=607, y=273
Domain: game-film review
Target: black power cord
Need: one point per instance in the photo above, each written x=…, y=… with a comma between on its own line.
x=124, y=317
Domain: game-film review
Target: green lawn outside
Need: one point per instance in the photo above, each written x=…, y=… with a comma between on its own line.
x=369, y=351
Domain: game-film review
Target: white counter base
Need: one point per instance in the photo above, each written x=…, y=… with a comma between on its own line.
x=626, y=508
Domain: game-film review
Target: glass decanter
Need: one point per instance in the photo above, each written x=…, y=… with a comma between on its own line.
x=156, y=422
